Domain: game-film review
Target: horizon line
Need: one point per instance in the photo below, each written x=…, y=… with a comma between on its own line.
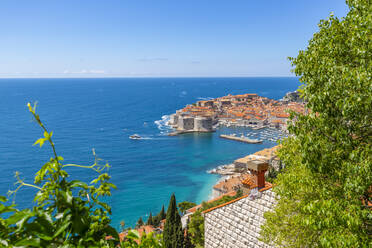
x=118, y=77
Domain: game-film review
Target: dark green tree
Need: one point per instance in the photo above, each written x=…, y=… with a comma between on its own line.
x=325, y=186
x=187, y=240
x=162, y=214
x=156, y=221
x=173, y=233
x=139, y=222
x=150, y=220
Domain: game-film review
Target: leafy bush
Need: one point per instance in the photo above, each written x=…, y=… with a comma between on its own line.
x=133, y=240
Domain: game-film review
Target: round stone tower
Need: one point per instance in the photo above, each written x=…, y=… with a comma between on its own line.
x=203, y=124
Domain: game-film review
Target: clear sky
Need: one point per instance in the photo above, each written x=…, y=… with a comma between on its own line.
x=137, y=38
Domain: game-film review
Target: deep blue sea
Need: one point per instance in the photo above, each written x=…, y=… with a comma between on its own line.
x=101, y=113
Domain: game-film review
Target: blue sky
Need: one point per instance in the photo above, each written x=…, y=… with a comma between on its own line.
x=171, y=38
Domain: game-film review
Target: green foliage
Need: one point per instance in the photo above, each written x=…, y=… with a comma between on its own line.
x=239, y=193
x=327, y=180
x=160, y=216
x=273, y=173
x=156, y=221
x=162, y=213
x=224, y=199
x=196, y=228
x=183, y=206
x=67, y=214
x=187, y=241
x=173, y=233
x=133, y=240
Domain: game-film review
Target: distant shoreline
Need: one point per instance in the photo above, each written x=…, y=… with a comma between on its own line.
x=149, y=77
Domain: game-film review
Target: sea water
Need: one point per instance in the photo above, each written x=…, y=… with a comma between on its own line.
x=102, y=113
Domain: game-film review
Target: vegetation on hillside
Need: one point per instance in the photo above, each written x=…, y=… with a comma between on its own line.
x=326, y=184
x=185, y=205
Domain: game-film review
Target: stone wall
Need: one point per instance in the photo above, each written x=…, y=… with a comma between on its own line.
x=203, y=124
x=173, y=119
x=238, y=224
x=185, y=123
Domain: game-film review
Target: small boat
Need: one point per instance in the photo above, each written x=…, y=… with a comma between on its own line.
x=135, y=136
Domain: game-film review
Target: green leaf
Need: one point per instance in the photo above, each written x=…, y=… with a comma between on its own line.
x=40, y=142
x=61, y=229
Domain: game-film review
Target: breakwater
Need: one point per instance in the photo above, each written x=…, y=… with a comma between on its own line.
x=241, y=139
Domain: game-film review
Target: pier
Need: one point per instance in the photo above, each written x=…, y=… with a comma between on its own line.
x=241, y=139
x=178, y=132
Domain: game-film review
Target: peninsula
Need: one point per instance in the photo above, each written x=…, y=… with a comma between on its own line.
x=247, y=110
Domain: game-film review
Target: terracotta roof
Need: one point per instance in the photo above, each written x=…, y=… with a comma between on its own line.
x=122, y=235
x=267, y=186
x=229, y=184
x=145, y=230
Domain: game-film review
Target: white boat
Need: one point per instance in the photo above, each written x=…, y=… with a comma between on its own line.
x=135, y=136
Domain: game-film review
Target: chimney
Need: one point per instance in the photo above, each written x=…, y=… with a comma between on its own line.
x=258, y=169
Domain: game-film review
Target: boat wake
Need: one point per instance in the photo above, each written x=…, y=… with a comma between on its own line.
x=148, y=138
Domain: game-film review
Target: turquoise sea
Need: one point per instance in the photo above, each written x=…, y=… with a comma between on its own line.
x=102, y=113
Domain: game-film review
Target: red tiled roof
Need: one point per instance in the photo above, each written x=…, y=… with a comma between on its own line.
x=267, y=186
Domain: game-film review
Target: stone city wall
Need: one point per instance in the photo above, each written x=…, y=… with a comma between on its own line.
x=238, y=224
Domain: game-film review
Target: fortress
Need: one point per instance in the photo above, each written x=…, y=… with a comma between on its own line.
x=186, y=122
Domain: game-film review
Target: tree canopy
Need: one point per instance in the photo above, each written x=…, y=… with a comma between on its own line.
x=173, y=233
x=149, y=220
x=326, y=185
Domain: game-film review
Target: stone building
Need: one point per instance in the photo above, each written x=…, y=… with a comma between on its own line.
x=208, y=103
x=203, y=124
x=185, y=123
x=173, y=120
x=231, y=184
x=268, y=155
x=237, y=224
